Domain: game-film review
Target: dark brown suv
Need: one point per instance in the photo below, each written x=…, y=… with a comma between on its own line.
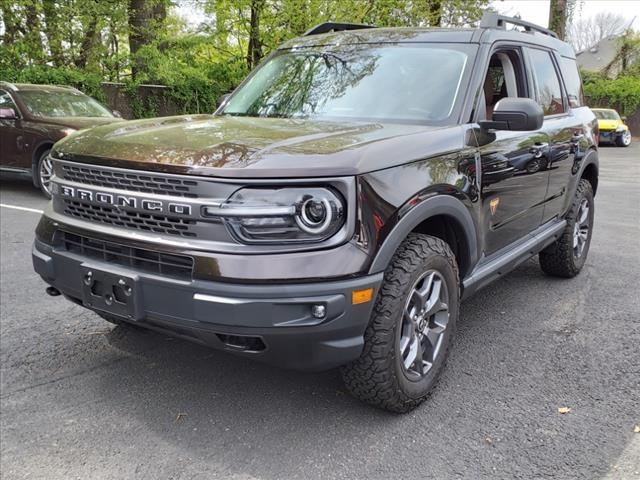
x=34, y=117
x=340, y=203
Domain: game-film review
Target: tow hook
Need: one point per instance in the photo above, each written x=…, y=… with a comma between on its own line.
x=53, y=291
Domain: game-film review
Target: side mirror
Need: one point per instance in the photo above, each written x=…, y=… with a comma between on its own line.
x=623, y=118
x=8, y=113
x=517, y=114
x=116, y=113
x=223, y=99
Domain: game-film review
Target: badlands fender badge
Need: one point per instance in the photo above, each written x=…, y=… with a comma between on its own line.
x=493, y=205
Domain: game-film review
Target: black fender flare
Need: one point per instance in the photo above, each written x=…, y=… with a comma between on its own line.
x=590, y=158
x=438, y=205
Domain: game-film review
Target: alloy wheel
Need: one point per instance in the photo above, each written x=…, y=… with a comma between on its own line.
x=46, y=172
x=581, y=229
x=424, y=322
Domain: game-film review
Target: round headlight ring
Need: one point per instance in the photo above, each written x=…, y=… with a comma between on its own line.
x=307, y=224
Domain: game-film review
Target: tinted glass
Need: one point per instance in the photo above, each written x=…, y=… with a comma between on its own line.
x=572, y=81
x=5, y=101
x=606, y=114
x=43, y=103
x=394, y=82
x=549, y=91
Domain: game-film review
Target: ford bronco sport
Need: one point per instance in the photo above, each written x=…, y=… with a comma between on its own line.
x=339, y=204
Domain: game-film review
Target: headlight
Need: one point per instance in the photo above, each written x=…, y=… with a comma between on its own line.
x=68, y=131
x=283, y=215
x=620, y=128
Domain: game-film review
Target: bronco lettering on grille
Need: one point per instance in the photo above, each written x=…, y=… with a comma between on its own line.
x=157, y=206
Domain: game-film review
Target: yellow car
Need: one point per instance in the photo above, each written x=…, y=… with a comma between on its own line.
x=612, y=127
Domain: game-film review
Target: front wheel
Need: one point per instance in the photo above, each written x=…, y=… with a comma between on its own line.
x=43, y=173
x=624, y=140
x=566, y=256
x=411, y=328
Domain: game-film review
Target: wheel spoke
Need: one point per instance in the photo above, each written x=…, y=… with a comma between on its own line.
x=46, y=172
x=417, y=300
x=584, y=215
x=410, y=352
x=421, y=295
x=419, y=366
x=431, y=336
x=433, y=303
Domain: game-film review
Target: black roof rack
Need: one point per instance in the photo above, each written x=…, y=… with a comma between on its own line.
x=494, y=20
x=335, y=27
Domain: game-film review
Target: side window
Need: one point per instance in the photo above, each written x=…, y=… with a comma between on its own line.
x=504, y=79
x=549, y=91
x=572, y=82
x=6, y=101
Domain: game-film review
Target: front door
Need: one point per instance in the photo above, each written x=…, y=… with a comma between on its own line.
x=10, y=135
x=513, y=164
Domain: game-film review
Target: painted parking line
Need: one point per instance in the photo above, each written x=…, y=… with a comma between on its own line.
x=24, y=209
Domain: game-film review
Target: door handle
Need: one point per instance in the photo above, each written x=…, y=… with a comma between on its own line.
x=539, y=149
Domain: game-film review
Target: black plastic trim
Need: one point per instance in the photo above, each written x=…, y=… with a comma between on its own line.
x=440, y=205
x=511, y=256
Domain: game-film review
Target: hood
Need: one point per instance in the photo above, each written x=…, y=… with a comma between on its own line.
x=80, y=123
x=609, y=124
x=231, y=147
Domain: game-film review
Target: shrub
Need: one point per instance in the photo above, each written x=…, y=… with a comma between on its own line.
x=623, y=93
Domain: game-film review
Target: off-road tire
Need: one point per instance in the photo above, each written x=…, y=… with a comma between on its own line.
x=558, y=259
x=377, y=376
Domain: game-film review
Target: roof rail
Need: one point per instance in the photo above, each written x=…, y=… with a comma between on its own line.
x=327, y=27
x=495, y=20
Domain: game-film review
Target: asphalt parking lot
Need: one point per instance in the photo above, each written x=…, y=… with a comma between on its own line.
x=83, y=399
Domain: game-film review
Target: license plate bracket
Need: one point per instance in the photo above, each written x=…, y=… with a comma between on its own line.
x=111, y=292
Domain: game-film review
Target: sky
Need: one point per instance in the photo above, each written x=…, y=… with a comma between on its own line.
x=534, y=11
x=537, y=11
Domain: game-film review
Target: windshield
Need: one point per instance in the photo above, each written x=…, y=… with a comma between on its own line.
x=417, y=83
x=606, y=114
x=43, y=103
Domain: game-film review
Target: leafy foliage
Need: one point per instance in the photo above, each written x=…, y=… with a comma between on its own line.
x=623, y=93
x=84, y=42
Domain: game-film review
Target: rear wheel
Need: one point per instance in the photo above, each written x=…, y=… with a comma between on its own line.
x=624, y=140
x=43, y=173
x=411, y=328
x=566, y=256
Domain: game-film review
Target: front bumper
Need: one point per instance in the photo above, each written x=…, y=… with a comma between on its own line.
x=610, y=135
x=270, y=323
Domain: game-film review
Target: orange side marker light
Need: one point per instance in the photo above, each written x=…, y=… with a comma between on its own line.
x=361, y=296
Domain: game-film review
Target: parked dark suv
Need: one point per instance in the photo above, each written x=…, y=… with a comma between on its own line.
x=34, y=117
x=339, y=204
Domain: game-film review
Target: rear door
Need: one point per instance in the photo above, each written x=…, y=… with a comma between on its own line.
x=561, y=124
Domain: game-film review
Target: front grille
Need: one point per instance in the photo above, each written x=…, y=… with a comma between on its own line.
x=124, y=218
x=130, y=181
x=178, y=266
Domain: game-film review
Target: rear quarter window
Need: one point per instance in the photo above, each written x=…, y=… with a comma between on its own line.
x=572, y=82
